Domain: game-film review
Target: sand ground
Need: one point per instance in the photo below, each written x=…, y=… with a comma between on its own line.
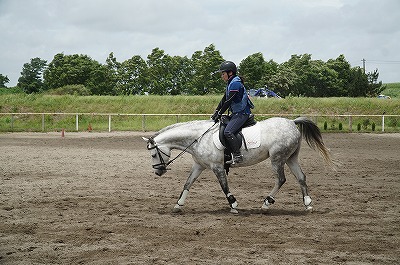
x=92, y=198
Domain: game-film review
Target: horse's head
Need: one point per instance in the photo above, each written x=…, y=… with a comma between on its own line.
x=160, y=156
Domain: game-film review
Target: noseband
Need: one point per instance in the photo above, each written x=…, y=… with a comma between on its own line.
x=162, y=165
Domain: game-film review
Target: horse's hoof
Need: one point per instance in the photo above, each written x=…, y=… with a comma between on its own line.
x=309, y=208
x=177, y=209
x=264, y=207
x=234, y=211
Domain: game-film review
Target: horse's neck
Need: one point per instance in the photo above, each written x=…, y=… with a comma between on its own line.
x=179, y=137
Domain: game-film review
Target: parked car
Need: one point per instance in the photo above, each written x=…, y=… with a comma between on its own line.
x=384, y=97
x=263, y=92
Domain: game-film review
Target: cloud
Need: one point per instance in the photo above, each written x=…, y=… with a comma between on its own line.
x=358, y=29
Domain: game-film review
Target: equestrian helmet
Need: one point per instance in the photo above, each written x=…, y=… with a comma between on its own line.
x=228, y=66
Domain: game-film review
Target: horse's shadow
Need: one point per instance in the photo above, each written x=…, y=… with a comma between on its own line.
x=241, y=212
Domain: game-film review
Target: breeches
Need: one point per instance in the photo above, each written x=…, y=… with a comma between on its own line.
x=234, y=125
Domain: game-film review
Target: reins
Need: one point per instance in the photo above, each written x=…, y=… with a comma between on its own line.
x=159, y=151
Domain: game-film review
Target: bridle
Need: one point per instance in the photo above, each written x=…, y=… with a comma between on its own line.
x=163, y=165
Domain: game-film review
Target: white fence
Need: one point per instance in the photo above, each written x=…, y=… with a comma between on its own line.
x=348, y=119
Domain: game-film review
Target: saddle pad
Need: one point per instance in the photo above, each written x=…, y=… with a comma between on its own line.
x=252, y=136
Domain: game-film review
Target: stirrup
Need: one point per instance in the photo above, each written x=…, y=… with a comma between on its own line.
x=235, y=159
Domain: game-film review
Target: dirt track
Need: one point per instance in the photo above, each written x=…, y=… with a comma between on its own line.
x=93, y=199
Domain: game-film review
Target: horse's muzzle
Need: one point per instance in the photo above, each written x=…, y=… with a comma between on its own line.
x=160, y=171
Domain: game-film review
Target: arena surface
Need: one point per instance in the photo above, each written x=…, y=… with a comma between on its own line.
x=91, y=198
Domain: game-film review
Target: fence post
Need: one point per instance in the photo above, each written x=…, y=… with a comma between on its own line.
x=350, y=123
x=109, y=123
x=144, y=123
x=383, y=123
x=12, y=122
x=43, y=122
x=77, y=122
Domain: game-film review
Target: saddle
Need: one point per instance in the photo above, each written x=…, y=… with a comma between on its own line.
x=222, y=125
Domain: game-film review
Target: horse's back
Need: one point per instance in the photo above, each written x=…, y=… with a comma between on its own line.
x=278, y=125
x=280, y=133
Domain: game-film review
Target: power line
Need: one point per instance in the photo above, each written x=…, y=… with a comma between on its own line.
x=382, y=61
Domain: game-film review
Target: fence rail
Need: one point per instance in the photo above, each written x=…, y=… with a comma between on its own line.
x=8, y=121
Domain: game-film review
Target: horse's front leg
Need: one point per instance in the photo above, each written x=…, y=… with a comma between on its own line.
x=220, y=173
x=194, y=174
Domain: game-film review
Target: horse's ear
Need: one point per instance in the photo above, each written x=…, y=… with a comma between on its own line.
x=146, y=139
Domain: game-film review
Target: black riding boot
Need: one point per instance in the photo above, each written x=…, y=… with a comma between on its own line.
x=234, y=144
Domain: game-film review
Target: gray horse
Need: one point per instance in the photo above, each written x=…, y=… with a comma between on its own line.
x=280, y=140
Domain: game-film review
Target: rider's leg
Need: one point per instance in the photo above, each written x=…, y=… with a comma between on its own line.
x=234, y=144
x=234, y=125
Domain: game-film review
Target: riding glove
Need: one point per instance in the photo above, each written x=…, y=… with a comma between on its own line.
x=216, y=116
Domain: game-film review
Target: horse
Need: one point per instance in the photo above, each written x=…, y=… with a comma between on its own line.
x=280, y=140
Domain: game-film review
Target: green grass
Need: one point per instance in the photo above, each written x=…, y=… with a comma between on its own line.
x=38, y=103
x=392, y=90
x=190, y=105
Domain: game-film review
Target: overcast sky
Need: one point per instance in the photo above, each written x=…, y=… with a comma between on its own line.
x=238, y=28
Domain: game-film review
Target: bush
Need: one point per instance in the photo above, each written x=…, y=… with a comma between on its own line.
x=365, y=124
x=11, y=90
x=76, y=90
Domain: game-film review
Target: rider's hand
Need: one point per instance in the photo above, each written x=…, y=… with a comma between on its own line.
x=216, y=116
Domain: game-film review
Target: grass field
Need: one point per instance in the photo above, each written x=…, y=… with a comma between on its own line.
x=89, y=105
x=392, y=90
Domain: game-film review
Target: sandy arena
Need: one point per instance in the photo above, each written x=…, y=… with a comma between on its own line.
x=91, y=198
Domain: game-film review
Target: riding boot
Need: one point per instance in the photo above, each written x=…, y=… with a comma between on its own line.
x=234, y=144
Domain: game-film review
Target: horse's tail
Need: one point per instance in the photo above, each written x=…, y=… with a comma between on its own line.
x=310, y=131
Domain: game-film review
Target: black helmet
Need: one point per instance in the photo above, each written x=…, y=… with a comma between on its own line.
x=228, y=66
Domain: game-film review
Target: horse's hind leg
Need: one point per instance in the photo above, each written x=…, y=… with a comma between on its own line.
x=194, y=174
x=279, y=170
x=301, y=178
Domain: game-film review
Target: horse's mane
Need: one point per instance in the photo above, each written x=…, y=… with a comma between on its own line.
x=182, y=124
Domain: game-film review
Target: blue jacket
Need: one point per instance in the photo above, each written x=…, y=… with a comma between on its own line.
x=241, y=102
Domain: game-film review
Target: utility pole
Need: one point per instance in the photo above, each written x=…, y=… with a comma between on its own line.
x=363, y=60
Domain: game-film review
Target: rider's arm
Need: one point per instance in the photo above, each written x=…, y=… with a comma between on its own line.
x=221, y=103
x=234, y=89
x=228, y=101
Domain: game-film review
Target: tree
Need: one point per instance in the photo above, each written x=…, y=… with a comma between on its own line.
x=132, y=76
x=31, y=79
x=301, y=66
x=374, y=87
x=252, y=69
x=358, y=83
x=3, y=81
x=181, y=69
x=100, y=81
x=78, y=70
x=343, y=70
x=163, y=74
x=321, y=80
x=283, y=81
x=113, y=66
x=205, y=64
x=159, y=73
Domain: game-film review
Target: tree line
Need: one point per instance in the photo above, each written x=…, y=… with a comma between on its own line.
x=162, y=74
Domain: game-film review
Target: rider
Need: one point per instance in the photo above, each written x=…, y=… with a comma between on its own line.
x=237, y=101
